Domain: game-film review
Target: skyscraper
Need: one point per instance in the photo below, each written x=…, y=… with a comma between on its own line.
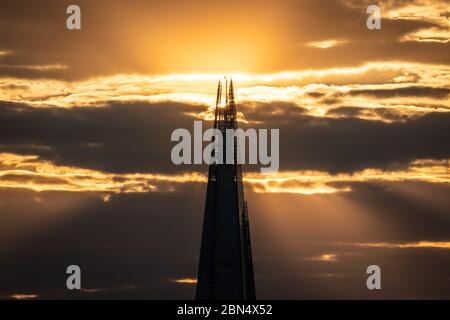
x=225, y=268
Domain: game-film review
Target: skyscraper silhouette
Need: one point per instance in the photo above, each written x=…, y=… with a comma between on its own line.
x=225, y=268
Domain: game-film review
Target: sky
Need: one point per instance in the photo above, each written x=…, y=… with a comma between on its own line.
x=86, y=116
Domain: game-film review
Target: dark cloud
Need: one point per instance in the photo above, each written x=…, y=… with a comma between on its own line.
x=12, y=86
x=263, y=111
x=23, y=178
x=346, y=111
x=350, y=144
x=315, y=94
x=128, y=137
x=320, y=224
x=135, y=137
x=390, y=114
x=134, y=245
x=411, y=91
x=131, y=247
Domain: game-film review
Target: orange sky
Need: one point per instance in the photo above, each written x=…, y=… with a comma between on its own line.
x=86, y=116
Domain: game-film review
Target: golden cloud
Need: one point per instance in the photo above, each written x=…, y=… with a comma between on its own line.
x=325, y=44
x=313, y=182
x=434, y=12
x=186, y=281
x=29, y=172
x=316, y=91
x=406, y=245
x=326, y=257
x=23, y=296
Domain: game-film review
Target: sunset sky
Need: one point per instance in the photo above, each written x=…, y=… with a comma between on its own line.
x=86, y=115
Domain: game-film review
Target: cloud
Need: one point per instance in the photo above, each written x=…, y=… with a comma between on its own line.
x=4, y=53
x=186, y=281
x=134, y=137
x=408, y=245
x=29, y=172
x=127, y=137
x=151, y=238
x=338, y=145
x=312, y=182
x=23, y=296
x=85, y=123
x=129, y=243
x=409, y=91
x=383, y=113
x=326, y=257
x=433, y=34
x=324, y=44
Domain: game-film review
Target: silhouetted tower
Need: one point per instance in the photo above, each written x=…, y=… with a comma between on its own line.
x=225, y=269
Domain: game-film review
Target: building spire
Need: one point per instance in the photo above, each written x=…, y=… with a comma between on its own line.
x=225, y=266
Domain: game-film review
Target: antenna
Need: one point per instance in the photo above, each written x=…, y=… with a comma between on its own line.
x=226, y=90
